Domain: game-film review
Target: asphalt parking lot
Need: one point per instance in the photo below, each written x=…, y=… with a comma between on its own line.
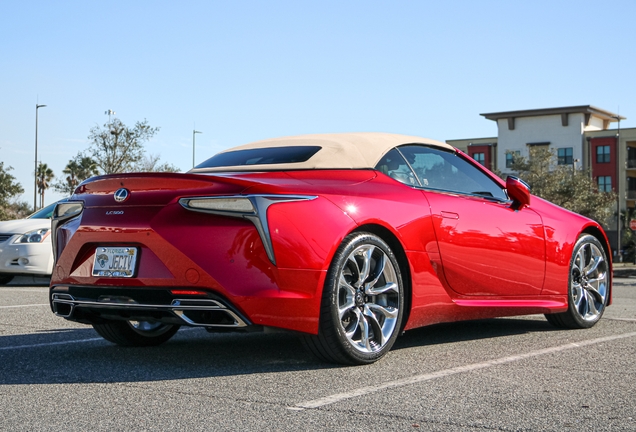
x=501, y=374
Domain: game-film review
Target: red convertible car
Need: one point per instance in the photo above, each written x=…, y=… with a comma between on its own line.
x=347, y=239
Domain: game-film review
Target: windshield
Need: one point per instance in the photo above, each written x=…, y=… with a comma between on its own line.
x=44, y=213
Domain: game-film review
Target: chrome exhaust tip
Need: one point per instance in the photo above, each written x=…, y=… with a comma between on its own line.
x=206, y=313
x=63, y=305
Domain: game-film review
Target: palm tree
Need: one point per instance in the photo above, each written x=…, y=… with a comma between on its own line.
x=44, y=176
x=71, y=169
x=77, y=170
x=87, y=167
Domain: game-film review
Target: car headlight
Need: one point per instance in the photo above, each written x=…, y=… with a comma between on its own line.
x=35, y=236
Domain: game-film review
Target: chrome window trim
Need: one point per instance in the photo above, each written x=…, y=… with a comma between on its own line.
x=415, y=176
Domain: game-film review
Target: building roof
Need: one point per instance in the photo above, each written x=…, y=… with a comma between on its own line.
x=462, y=140
x=582, y=109
x=338, y=150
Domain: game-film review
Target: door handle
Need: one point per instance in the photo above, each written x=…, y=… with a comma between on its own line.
x=449, y=215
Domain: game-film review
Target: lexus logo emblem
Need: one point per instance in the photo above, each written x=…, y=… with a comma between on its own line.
x=122, y=195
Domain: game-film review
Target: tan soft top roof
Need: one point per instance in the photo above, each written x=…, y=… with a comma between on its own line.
x=339, y=150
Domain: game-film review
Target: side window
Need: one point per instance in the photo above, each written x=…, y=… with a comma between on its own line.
x=445, y=170
x=394, y=165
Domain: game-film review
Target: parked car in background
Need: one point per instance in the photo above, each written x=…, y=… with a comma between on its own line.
x=346, y=239
x=25, y=246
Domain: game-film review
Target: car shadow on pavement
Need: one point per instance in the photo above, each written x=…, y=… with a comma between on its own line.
x=28, y=281
x=81, y=356
x=471, y=330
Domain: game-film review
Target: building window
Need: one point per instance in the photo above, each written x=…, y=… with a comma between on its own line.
x=565, y=156
x=480, y=157
x=603, y=154
x=631, y=157
x=510, y=155
x=631, y=188
x=605, y=183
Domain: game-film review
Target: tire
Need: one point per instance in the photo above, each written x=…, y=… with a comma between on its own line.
x=588, y=286
x=136, y=333
x=362, y=303
x=5, y=279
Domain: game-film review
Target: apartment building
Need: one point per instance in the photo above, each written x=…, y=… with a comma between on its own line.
x=581, y=137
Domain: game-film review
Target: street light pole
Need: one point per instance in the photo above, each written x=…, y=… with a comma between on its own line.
x=109, y=113
x=35, y=183
x=619, y=254
x=194, y=132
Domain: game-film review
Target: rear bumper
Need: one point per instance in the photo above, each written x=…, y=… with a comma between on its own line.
x=92, y=305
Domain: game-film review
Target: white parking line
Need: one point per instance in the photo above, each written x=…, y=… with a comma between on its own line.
x=21, y=306
x=50, y=344
x=30, y=290
x=327, y=400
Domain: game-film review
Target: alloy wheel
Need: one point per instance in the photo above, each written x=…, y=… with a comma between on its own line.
x=368, y=298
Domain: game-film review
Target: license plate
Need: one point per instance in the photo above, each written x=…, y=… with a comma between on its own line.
x=115, y=261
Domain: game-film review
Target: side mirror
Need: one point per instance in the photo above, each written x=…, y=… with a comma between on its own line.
x=518, y=191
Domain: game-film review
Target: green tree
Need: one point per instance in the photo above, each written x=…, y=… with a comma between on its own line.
x=44, y=177
x=564, y=185
x=20, y=209
x=9, y=189
x=117, y=148
x=150, y=163
x=77, y=170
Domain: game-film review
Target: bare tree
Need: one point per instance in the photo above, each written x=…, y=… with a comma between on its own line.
x=117, y=148
x=150, y=163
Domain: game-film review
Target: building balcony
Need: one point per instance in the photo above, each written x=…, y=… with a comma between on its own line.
x=631, y=163
x=631, y=194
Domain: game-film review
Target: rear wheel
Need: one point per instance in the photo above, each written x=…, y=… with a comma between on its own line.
x=588, y=291
x=136, y=333
x=362, y=303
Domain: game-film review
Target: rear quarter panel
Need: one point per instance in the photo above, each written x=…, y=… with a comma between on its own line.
x=380, y=205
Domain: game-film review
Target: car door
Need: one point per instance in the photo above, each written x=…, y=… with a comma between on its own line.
x=487, y=248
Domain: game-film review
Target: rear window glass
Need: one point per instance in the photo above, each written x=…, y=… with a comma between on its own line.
x=261, y=156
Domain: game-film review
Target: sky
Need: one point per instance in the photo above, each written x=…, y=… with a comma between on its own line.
x=241, y=71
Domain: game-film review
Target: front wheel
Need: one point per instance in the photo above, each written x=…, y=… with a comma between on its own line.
x=362, y=303
x=136, y=333
x=588, y=291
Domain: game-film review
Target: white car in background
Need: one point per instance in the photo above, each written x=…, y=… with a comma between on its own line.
x=25, y=246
